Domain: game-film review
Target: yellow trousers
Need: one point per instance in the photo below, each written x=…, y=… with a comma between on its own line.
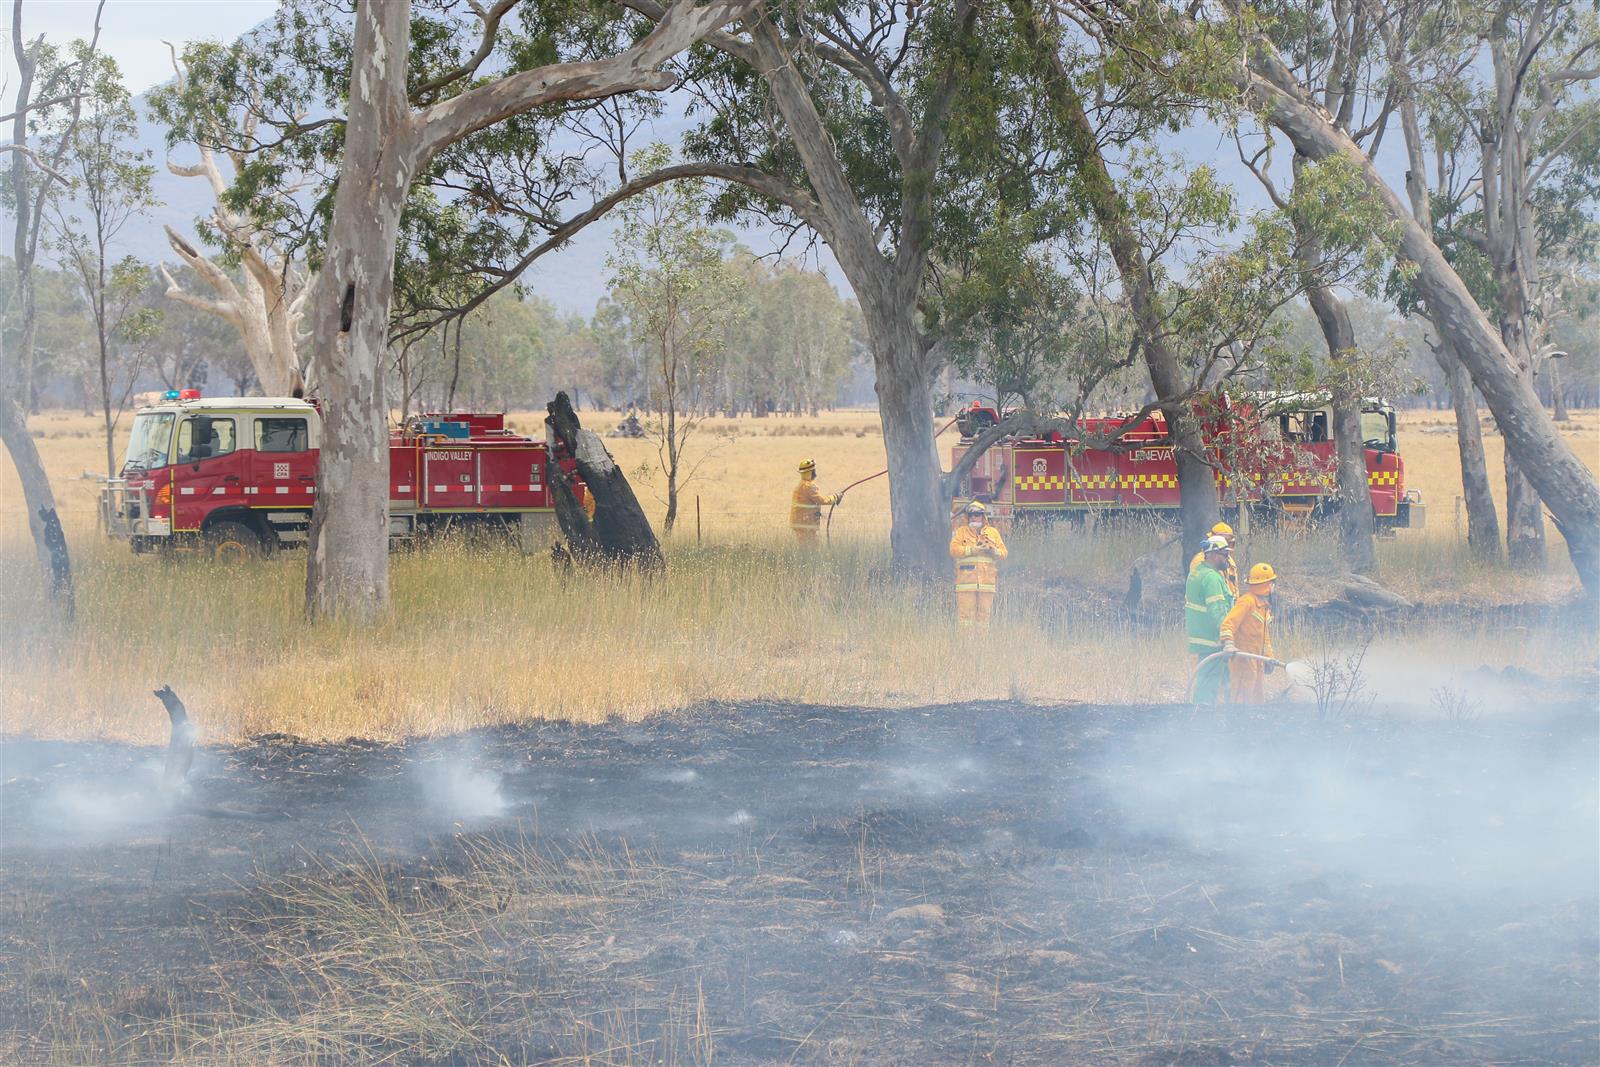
x=973, y=606
x=1246, y=681
x=806, y=535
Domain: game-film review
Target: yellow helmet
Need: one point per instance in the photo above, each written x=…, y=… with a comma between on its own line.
x=976, y=508
x=808, y=466
x=1222, y=528
x=1261, y=574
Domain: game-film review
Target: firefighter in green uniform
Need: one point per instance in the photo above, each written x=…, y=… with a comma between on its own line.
x=1206, y=601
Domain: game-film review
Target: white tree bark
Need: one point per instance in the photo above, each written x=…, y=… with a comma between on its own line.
x=387, y=142
x=268, y=310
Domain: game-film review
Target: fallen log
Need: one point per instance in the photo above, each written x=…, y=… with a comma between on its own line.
x=619, y=532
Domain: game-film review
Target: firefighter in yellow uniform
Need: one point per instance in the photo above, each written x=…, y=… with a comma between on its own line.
x=805, y=507
x=1231, y=572
x=1247, y=628
x=588, y=503
x=977, y=549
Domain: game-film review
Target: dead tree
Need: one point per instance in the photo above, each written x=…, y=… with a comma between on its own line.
x=180, y=746
x=619, y=532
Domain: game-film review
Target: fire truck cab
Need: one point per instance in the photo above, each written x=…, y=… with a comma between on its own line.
x=238, y=475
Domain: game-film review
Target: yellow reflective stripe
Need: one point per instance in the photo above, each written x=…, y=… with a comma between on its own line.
x=806, y=507
x=974, y=587
x=1216, y=597
x=1205, y=641
x=1192, y=606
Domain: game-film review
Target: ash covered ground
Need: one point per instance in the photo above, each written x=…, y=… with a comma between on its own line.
x=775, y=884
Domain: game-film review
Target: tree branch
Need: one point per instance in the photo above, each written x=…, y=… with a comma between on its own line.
x=635, y=69
x=759, y=181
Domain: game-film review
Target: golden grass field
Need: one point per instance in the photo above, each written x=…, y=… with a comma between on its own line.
x=485, y=636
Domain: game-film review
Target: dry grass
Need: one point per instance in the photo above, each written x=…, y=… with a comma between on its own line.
x=482, y=637
x=485, y=637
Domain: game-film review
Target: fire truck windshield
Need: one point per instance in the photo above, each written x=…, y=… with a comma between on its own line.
x=148, y=442
x=1377, y=430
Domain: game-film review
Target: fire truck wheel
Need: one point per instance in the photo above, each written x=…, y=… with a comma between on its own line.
x=232, y=542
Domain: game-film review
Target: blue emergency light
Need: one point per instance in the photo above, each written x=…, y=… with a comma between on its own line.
x=181, y=394
x=170, y=394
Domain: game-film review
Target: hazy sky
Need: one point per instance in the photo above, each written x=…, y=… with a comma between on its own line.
x=132, y=31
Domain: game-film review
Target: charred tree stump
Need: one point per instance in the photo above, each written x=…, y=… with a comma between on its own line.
x=619, y=532
x=180, y=747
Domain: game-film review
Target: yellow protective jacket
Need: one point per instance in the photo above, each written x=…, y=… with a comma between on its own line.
x=1230, y=573
x=805, y=507
x=1246, y=625
x=976, y=555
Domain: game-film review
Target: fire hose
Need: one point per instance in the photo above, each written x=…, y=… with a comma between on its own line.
x=828, y=531
x=1228, y=653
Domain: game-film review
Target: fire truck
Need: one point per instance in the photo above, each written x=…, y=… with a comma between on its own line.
x=238, y=476
x=1273, y=454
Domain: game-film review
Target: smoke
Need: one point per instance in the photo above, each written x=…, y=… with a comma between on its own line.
x=75, y=795
x=1484, y=812
x=456, y=784
x=927, y=777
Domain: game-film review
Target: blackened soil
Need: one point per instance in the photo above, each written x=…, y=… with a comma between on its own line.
x=974, y=883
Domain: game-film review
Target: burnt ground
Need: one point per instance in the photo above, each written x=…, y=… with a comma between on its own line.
x=773, y=884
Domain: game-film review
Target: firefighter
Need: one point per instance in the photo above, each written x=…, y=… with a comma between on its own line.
x=588, y=502
x=1206, y=602
x=1231, y=572
x=977, y=548
x=1246, y=629
x=805, y=507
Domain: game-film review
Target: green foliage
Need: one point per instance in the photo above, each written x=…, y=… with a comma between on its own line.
x=275, y=97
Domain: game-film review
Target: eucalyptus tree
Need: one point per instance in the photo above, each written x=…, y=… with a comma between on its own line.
x=836, y=119
x=44, y=84
x=1424, y=58
x=669, y=272
x=107, y=184
x=255, y=288
x=363, y=116
x=1567, y=486
x=1336, y=52
x=1522, y=107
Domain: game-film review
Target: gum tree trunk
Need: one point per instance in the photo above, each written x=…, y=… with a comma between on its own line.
x=1356, y=523
x=49, y=543
x=1525, y=541
x=1483, y=523
x=905, y=408
x=347, y=573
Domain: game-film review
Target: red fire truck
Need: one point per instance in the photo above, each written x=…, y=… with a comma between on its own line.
x=238, y=475
x=1273, y=454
